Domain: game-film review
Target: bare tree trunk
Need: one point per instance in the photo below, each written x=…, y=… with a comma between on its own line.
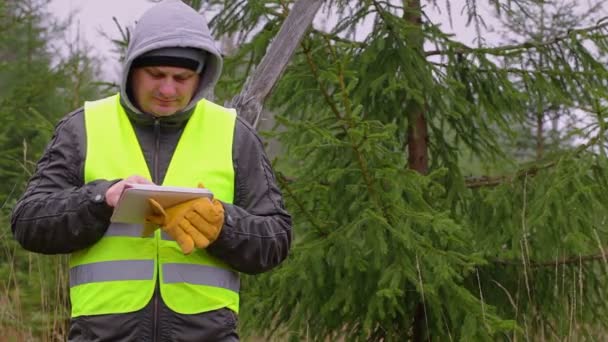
x=250, y=101
x=417, y=128
x=418, y=138
x=417, y=143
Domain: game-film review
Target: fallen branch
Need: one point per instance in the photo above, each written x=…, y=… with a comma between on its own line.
x=487, y=181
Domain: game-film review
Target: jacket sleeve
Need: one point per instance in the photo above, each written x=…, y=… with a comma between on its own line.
x=257, y=230
x=58, y=213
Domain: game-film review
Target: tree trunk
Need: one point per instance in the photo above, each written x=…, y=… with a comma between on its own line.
x=417, y=129
x=417, y=143
x=418, y=137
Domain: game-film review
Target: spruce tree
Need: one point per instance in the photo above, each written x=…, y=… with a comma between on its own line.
x=41, y=80
x=394, y=238
x=550, y=122
x=39, y=83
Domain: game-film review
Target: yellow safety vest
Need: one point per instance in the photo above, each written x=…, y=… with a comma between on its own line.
x=118, y=273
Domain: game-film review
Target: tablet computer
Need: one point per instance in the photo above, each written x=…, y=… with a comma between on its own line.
x=133, y=205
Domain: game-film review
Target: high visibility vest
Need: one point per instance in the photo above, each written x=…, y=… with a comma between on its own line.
x=118, y=274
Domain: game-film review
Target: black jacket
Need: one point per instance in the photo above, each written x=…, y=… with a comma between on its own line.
x=59, y=213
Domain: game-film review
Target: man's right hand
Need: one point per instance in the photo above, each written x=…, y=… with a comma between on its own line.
x=114, y=192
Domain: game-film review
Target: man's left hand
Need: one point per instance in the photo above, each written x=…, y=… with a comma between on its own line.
x=202, y=219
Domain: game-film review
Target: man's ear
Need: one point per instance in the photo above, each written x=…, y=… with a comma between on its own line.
x=129, y=89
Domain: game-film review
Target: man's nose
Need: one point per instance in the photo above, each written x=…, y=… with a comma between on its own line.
x=167, y=88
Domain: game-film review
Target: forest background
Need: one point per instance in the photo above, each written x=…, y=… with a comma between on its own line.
x=440, y=191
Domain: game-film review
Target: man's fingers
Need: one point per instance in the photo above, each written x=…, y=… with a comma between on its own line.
x=156, y=219
x=137, y=179
x=200, y=240
x=208, y=229
x=149, y=229
x=212, y=213
x=113, y=194
x=156, y=207
x=186, y=245
x=197, y=219
x=185, y=241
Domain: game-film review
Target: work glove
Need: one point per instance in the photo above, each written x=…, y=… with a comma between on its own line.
x=196, y=222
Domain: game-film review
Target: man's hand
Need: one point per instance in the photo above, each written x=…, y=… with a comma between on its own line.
x=197, y=222
x=114, y=192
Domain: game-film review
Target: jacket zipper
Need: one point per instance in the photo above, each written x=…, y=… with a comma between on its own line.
x=155, y=180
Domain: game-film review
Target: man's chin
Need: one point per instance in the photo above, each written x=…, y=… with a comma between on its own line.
x=164, y=111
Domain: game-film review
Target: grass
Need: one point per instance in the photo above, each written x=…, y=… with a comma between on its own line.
x=33, y=293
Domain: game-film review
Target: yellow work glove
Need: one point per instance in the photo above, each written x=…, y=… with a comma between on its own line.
x=149, y=228
x=196, y=222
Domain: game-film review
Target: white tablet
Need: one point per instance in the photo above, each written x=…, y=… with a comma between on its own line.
x=133, y=205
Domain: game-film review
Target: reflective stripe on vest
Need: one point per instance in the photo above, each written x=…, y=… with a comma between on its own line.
x=133, y=230
x=144, y=269
x=118, y=273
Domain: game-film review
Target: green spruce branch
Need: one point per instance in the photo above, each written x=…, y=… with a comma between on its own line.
x=517, y=49
x=525, y=72
x=285, y=185
x=350, y=124
x=345, y=118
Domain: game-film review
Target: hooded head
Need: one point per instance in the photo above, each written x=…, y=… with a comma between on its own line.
x=171, y=35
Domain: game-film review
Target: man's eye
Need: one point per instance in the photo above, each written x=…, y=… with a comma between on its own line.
x=182, y=78
x=154, y=74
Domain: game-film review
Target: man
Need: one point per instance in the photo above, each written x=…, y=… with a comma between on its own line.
x=181, y=283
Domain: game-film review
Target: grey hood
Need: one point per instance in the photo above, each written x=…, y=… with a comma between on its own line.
x=172, y=23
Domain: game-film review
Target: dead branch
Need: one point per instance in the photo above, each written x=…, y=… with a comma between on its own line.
x=257, y=88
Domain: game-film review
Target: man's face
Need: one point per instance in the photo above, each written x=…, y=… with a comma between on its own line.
x=161, y=90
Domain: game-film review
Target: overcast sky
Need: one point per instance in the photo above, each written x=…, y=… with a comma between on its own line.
x=93, y=16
